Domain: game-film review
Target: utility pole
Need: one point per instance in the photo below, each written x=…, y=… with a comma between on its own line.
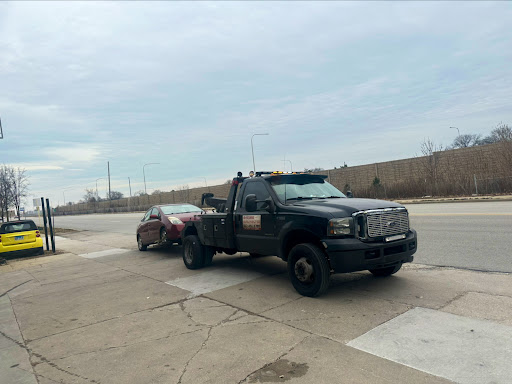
x=144, y=173
x=1, y=131
x=108, y=167
x=101, y=178
x=284, y=164
x=252, y=148
x=130, y=185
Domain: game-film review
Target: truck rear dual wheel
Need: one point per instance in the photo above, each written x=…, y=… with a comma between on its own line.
x=308, y=269
x=195, y=254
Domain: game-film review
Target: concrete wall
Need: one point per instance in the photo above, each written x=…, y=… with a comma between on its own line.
x=445, y=173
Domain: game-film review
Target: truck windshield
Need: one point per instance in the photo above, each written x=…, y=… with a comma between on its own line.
x=297, y=189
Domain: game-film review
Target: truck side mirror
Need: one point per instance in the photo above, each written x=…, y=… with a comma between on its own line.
x=349, y=194
x=250, y=203
x=270, y=207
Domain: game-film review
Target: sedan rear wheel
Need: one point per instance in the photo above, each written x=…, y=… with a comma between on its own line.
x=141, y=246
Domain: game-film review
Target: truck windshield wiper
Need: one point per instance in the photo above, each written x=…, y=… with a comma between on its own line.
x=300, y=198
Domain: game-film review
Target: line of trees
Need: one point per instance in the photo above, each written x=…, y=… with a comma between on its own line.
x=92, y=197
x=443, y=178
x=13, y=189
x=499, y=134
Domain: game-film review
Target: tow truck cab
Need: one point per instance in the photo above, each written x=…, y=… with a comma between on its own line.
x=307, y=222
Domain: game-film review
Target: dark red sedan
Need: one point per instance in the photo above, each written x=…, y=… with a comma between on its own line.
x=162, y=224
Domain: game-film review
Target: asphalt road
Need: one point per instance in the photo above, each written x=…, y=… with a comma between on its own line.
x=473, y=235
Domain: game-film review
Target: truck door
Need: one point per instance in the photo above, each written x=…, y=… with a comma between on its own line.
x=255, y=231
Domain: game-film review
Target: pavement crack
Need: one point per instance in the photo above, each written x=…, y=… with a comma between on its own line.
x=128, y=345
x=105, y=320
x=283, y=304
x=53, y=365
x=457, y=297
x=14, y=341
x=13, y=288
x=195, y=354
x=24, y=344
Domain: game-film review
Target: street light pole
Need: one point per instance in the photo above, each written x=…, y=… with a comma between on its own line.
x=252, y=148
x=144, y=173
x=101, y=178
x=457, y=130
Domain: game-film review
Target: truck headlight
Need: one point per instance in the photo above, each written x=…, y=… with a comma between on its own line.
x=342, y=226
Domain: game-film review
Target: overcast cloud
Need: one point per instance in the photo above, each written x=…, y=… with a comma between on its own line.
x=186, y=84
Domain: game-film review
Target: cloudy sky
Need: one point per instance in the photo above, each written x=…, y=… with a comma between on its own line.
x=186, y=85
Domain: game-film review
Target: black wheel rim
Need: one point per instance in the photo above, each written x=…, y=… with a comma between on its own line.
x=304, y=271
x=188, y=253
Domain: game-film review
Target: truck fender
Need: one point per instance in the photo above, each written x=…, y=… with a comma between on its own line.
x=292, y=234
x=190, y=228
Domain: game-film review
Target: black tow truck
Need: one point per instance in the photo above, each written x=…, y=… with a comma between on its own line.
x=308, y=223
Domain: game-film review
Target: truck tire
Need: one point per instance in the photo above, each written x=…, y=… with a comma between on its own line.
x=308, y=269
x=193, y=252
x=208, y=255
x=388, y=271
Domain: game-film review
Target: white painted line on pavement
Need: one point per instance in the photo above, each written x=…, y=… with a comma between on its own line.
x=458, y=348
x=106, y=252
x=60, y=238
x=213, y=280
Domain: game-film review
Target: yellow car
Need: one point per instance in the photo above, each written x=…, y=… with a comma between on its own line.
x=20, y=237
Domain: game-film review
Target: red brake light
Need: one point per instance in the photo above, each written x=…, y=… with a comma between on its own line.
x=38, y=234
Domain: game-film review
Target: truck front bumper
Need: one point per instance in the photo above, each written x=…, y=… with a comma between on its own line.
x=350, y=255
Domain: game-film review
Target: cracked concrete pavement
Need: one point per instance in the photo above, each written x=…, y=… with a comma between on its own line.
x=122, y=318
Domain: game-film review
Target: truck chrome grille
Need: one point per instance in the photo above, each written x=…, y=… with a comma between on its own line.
x=387, y=222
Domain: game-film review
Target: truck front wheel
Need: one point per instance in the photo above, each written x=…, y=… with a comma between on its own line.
x=193, y=252
x=308, y=269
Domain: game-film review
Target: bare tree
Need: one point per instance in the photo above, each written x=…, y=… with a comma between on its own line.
x=5, y=192
x=183, y=194
x=313, y=170
x=19, y=188
x=430, y=164
x=465, y=141
x=90, y=196
x=115, y=195
x=13, y=189
x=502, y=133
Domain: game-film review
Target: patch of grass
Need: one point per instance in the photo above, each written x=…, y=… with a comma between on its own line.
x=58, y=231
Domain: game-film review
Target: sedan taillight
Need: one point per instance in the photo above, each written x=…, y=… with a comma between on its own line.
x=38, y=234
